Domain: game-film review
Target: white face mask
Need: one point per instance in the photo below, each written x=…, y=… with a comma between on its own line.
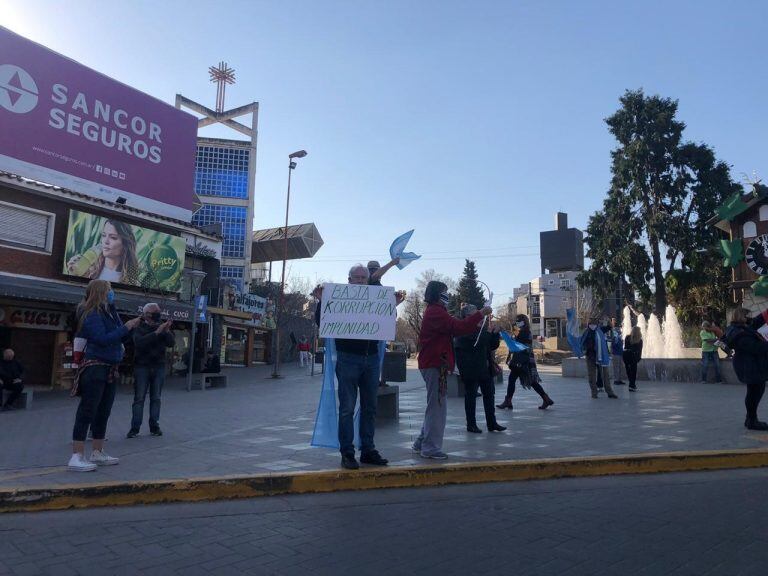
x=592, y=326
x=519, y=323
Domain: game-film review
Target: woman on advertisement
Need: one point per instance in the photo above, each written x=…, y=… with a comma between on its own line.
x=113, y=259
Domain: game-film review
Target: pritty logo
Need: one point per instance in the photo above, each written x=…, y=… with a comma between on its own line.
x=18, y=91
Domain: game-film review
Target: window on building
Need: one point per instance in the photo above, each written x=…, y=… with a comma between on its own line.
x=551, y=282
x=222, y=171
x=26, y=228
x=536, y=309
x=749, y=229
x=232, y=275
x=763, y=212
x=234, y=229
x=551, y=328
x=565, y=284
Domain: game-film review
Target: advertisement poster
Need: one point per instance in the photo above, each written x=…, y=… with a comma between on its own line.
x=109, y=249
x=65, y=124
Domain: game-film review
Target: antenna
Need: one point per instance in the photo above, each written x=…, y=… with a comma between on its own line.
x=221, y=76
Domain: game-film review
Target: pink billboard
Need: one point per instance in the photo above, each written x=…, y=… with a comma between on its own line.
x=65, y=124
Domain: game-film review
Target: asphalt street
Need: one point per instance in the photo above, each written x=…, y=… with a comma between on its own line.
x=681, y=524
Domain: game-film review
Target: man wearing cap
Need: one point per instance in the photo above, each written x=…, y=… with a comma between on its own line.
x=376, y=271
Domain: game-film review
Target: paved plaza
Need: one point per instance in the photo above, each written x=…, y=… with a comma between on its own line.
x=692, y=524
x=259, y=426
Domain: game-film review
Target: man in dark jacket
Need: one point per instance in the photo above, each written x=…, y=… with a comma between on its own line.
x=750, y=361
x=357, y=370
x=474, y=357
x=150, y=339
x=11, y=372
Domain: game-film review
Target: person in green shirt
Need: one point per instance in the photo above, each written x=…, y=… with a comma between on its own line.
x=709, y=352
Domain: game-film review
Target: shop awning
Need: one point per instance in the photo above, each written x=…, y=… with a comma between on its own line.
x=40, y=290
x=66, y=293
x=133, y=303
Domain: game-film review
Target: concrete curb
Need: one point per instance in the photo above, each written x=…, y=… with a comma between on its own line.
x=231, y=487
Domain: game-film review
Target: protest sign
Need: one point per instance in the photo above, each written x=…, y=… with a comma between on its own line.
x=358, y=312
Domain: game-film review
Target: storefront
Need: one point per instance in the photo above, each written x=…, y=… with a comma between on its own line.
x=37, y=321
x=38, y=335
x=236, y=336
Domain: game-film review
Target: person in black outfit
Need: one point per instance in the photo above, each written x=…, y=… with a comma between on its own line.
x=212, y=363
x=11, y=372
x=474, y=359
x=633, y=353
x=523, y=365
x=150, y=339
x=750, y=360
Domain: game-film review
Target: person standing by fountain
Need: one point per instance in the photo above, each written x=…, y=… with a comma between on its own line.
x=633, y=353
x=598, y=357
x=617, y=353
x=750, y=361
x=709, y=352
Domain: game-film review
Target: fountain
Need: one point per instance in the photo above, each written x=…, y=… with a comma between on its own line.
x=643, y=325
x=665, y=356
x=653, y=339
x=659, y=340
x=673, y=335
x=626, y=322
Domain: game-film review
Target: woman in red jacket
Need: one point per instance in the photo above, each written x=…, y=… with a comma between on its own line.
x=435, y=362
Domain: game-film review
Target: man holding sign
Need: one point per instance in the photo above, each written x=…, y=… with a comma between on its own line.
x=357, y=316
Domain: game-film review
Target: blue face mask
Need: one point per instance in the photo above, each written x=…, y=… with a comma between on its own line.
x=111, y=297
x=444, y=299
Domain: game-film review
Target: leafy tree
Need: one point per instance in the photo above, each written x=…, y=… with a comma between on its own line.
x=469, y=291
x=663, y=190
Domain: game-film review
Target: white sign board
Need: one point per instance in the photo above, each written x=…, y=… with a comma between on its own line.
x=358, y=312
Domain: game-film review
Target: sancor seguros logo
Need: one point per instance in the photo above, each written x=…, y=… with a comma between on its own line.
x=18, y=91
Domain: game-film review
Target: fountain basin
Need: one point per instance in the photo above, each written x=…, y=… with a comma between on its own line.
x=686, y=369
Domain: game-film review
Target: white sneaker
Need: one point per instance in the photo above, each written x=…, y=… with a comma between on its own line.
x=101, y=458
x=79, y=464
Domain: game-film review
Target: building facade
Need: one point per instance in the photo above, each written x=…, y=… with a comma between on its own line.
x=39, y=293
x=546, y=298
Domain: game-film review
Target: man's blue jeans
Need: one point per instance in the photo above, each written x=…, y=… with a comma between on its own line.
x=708, y=358
x=147, y=378
x=357, y=372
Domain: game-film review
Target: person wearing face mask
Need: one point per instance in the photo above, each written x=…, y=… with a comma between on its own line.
x=96, y=379
x=436, y=360
x=522, y=365
x=598, y=357
x=474, y=354
x=150, y=339
x=750, y=360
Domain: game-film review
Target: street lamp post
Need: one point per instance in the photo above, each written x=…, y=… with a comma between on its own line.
x=291, y=167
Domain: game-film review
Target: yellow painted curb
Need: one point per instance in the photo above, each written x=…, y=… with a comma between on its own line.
x=231, y=487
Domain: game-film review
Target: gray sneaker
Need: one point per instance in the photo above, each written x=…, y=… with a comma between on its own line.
x=416, y=447
x=435, y=455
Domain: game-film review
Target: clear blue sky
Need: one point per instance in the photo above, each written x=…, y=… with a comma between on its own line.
x=472, y=122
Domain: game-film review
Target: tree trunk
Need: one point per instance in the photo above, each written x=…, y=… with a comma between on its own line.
x=658, y=276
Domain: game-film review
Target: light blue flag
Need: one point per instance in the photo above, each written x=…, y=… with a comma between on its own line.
x=327, y=420
x=512, y=344
x=397, y=250
x=572, y=332
x=326, y=433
